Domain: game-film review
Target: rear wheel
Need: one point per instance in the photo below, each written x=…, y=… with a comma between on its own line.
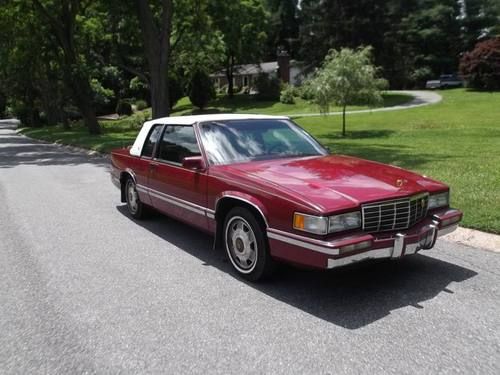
x=135, y=206
x=246, y=245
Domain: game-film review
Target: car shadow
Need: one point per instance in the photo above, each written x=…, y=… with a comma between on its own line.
x=351, y=297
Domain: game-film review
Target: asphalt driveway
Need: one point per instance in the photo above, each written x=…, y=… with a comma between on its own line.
x=85, y=289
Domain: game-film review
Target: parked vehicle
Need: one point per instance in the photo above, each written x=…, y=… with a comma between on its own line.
x=268, y=191
x=445, y=81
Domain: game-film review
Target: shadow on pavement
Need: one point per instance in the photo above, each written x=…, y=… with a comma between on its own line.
x=350, y=297
x=18, y=150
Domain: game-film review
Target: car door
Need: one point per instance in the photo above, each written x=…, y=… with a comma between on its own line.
x=141, y=166
x=173, y=189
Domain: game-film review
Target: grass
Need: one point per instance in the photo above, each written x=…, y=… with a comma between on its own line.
x=246, y=104
x=456, y=141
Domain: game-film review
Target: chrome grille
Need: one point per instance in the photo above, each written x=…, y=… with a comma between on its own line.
x=394, y=214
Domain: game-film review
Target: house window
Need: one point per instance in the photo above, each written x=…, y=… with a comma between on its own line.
x=245, y=81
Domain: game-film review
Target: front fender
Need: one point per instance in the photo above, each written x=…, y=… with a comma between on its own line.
x=244, y=197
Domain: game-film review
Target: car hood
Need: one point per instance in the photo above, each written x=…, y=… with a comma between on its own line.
x=333, y=182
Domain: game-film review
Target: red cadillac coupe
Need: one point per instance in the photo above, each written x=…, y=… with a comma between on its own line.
x=268, y=192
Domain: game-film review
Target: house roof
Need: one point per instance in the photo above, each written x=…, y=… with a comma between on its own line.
x=250, y=69
x=254, y=69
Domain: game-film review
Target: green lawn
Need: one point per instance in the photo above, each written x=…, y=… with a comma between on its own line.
x=246, y=104
x=456, y=141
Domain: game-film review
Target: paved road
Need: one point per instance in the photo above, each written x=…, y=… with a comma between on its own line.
x=420, y=98
x=85, y=289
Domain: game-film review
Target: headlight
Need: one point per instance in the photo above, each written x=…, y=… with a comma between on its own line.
x=350, y=220
x=324, y=225
x=439, y=200
x=312, y=224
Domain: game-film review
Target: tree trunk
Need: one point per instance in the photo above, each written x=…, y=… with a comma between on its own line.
x=157, y=48
x=229, y=76
x=343, y=120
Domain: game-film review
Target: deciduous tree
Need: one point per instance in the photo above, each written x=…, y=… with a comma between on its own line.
x=346, y=77
x=62, y=19
x=243, y=24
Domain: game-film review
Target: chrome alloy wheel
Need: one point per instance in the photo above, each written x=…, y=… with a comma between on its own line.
x=241, y=244
x=132, y=198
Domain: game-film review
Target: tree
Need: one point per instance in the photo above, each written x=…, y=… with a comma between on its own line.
x=62, y=19
x=283, y=26
x=201, y=89
x=481, y=66
x=243, y=24
x=156, y=32
x=408, y=37
x=346, y=77
x=479, y=18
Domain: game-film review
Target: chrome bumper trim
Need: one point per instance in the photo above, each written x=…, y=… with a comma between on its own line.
x=371, y=254
x=306, y=245
x=391, y=252
x=447, y=230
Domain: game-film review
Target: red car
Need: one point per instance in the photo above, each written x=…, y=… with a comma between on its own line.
x=268, y=191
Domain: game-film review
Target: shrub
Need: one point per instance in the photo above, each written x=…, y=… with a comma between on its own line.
x=268, y=88
x=306, y=92
x=201, y=89
x=104, y=99
x=141, y=105
x=123, y=108
x=287, y=95
x=481, y=66
x=175, y=90
x=138, y=89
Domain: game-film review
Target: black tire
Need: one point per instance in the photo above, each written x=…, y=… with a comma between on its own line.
x=246, y=245
x=135, y=207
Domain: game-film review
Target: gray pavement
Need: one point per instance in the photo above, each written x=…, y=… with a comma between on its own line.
x=85, y=289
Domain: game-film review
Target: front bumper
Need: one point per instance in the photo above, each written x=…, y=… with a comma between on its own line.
x=347, y=250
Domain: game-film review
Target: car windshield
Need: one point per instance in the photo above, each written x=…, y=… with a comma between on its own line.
x=237, y=141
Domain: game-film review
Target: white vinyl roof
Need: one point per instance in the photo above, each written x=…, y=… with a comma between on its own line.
x=136, y=149
x=190, y=120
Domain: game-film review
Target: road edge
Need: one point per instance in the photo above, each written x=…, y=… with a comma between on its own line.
x=475, y=238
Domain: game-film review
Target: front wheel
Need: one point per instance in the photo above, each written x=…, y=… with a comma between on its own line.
x=135, y=206
x=246, y=245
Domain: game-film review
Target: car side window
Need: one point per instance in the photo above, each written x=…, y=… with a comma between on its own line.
x=177, y=143
x=151, y=141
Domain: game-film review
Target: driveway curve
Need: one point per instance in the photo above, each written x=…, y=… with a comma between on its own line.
x=420, y=98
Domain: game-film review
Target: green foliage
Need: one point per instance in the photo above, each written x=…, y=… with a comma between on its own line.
x=124, y=108
x=420, y=75
x=104, y=99
x=141, y=105
x=481, y=66
x=201, y=89
x=347, y=77
x=243, y=25
x=176, y=89
x=287, y=95
x=268, y=88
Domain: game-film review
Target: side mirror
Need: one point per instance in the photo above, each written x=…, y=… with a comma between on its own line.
x=195, y=163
